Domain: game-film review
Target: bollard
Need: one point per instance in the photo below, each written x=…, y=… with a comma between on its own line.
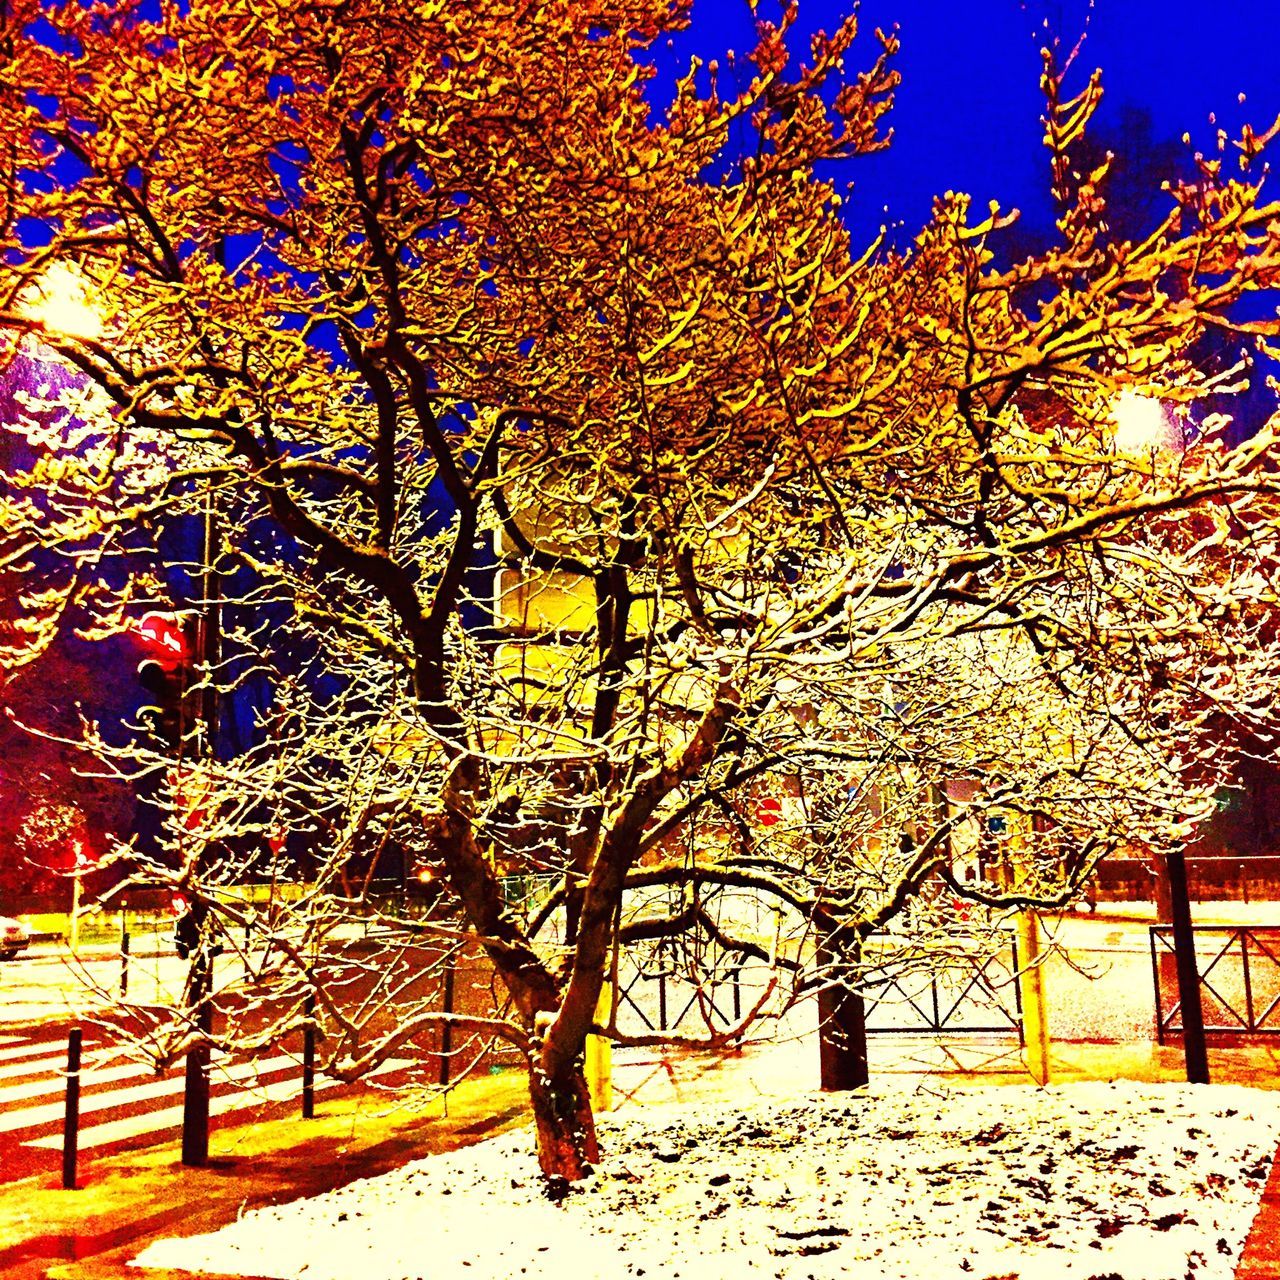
x=124, y=958
x=1031, y=981
x=598, y=1066
x=309, y=1059
x=71, y=1122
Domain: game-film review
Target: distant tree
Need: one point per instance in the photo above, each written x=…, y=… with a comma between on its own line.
x=58, y=796
x=609, y=491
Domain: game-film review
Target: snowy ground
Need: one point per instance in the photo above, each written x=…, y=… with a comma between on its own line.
x=1117, y=1182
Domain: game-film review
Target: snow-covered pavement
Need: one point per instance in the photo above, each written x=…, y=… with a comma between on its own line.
x=1106, y=1181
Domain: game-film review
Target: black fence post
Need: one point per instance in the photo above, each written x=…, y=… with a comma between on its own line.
x=1154, y=934
x=71, y=1122
x=1248, y=983
x=446, y=1028
x=309, y=1059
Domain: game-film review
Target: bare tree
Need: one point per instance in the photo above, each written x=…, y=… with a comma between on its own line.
x=581, y=486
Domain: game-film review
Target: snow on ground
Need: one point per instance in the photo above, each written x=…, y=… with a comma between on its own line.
x=1113, y=1181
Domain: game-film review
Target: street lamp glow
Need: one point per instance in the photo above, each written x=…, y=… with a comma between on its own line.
x=1142, y=425
x=59, y=301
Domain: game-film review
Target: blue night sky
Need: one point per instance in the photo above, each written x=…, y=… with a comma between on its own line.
x=967, y=112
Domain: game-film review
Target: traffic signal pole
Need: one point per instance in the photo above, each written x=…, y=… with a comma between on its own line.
x=195, y=1098
x=195, y=1102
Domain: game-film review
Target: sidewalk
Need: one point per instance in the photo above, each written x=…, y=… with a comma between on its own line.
x=129, y=1200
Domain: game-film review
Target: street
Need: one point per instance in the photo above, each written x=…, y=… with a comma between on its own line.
x=1098, y=983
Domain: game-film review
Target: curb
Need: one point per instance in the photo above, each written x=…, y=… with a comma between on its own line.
x=1260, y=1258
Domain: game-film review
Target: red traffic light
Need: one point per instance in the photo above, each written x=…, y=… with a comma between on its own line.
x=165, y=640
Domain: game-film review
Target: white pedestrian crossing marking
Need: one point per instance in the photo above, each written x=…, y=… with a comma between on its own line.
x=100, y=1135
x=109, y=1131
x=240, y=1086
x=29, y=1117
x=15, y=1061
x=89, y=1075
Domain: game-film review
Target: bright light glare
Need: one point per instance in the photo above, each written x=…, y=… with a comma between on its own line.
x=1142, y=424
x=59, y=300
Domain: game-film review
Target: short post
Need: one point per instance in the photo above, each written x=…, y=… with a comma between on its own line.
x=599, y=1055
x=71, y=1122
x=309, y=1059
x=1031, y=981
x=124, y=957
x=446, y=1028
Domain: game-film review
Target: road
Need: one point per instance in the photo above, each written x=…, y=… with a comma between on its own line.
x=125, y=1104
x=1098, y=979
x=1098, y=982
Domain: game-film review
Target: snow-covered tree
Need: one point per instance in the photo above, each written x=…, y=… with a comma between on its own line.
x=581, y=486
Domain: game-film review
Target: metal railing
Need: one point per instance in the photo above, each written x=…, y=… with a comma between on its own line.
x=946, y=999
x=1239, y=984
x=715, y=995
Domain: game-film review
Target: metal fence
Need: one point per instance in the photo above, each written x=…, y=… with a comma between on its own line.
x=972, y=990
x=1239, y=971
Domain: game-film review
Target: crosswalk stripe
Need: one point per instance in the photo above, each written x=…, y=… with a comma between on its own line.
x=100, y=1135
x=45, y=1113
x=35, y=1066
x=10, y=1057
x=89, y=1076
x=109, y=1131
x=54, y=1064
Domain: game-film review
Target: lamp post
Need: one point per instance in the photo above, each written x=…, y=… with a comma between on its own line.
x=1142, y=426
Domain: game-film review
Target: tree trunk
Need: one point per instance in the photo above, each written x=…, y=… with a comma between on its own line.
x=842, y=1018
x=567, y=1146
